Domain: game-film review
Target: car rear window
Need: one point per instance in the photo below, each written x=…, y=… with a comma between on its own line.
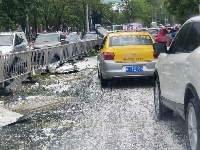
x=152, y=31
x=125, y=40
x=6, y=40
x=47, y=38
x=90, y=36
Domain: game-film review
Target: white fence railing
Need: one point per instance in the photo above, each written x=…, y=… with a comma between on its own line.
x=13, y=65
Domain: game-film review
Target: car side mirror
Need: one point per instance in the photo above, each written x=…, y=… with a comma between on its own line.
x=160, y=47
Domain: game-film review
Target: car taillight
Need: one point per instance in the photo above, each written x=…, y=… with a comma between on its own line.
x=155, y=55
x=108, y=55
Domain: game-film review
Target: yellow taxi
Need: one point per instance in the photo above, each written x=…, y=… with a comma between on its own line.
x=126, y=54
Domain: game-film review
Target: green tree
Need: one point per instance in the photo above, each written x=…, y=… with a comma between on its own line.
x=182, y=9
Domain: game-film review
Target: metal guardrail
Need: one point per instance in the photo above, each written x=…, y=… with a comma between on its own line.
x=14, y=65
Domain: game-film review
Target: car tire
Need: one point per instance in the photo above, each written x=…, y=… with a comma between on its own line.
x=160, y=109
x=103, y=82
x=193, y=124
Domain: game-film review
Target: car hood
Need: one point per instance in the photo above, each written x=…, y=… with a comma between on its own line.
x=43, y=44
x=6, y=49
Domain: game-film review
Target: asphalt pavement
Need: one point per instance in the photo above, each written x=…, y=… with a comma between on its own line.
x=120, y=117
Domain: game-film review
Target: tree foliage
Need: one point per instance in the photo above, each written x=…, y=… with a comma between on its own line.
x=72, y=13
x=182, y=9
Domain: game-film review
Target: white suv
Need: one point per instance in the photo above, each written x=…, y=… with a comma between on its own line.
x=177, y=79
x=11, y=42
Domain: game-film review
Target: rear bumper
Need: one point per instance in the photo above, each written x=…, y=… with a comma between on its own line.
x=110, y=69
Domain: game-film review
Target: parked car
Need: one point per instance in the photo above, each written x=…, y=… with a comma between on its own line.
x=153, y=31
x=73, y=38
x=125, y=54
x=11, y=42
x=49, y=40
x=177, y=85
x=144, y=29
x=90, y=36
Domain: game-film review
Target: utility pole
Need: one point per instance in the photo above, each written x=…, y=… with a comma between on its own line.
x=199, y=7
x=87, y=20
x=27, y=28
x=35, y=25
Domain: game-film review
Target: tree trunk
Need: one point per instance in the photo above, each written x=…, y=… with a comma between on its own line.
x=35, y=24
x=46, y=23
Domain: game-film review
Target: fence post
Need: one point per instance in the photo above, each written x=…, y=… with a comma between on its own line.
x=29, y=61
x=79, y=48
x=2, y=70
x=61, y=53
x=85, y=49
x=69, y=53
x=47, y=58
x=80, y=57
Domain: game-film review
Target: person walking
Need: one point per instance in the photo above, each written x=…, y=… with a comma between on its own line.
x=162, y=37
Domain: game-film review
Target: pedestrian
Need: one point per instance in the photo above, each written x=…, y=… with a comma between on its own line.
x=173, y=32
x=83, y=33
x=33, y=38
x=162, y=37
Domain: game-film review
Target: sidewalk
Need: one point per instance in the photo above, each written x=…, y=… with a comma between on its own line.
x=28, y=99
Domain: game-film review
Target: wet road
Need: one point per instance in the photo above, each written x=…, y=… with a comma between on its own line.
x=120, y=117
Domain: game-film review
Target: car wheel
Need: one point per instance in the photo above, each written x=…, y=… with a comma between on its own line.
x=193, y=125
x=160, y=109
x=103, y=82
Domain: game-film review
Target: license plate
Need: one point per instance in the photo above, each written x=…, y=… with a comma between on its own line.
x=134, y=69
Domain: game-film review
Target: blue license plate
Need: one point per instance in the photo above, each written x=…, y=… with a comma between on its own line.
x=134, y=69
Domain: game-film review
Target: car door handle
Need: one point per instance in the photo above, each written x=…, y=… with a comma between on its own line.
x=171, y=63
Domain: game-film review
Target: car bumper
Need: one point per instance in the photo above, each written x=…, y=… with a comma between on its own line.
x=110, y=69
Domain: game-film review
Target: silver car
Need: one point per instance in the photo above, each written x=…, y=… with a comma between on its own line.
x=50, y=40
x=126, y=54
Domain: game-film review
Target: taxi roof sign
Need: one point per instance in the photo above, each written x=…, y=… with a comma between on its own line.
x=128, y=27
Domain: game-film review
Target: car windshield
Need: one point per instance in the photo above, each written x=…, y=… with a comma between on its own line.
x=6, y=40
x=90, y=36
x=152, y=31
x=47, y=38
x=124, y=40
x=73, y=38
x=73, y=34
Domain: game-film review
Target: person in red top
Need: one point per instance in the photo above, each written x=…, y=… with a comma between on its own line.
x=161, y=37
